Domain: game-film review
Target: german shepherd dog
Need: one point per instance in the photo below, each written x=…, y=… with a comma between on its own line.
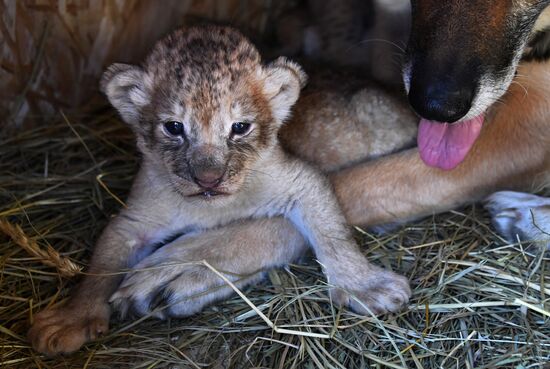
x=482, y=117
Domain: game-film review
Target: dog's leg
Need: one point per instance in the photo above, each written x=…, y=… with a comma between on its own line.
x=510, y=154
x=521, y=216
x=401, y=187
x=173, y=282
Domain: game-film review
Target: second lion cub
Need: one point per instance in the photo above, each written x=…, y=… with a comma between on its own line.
x=206, y=112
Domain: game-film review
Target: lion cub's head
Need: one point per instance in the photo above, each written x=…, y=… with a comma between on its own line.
x=204, y=107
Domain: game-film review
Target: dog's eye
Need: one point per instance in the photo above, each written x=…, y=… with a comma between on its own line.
x=240, y=128
x=174, y=128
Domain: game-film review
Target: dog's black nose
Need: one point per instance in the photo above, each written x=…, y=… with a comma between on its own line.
x=440, y=101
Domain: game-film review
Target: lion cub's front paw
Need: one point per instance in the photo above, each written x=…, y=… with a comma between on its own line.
x=379, y=291
x=65, y=329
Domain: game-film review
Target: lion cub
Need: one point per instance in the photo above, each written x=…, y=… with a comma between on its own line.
x=206, y=113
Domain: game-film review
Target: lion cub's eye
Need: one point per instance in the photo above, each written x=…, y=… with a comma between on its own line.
x=174, y=128
x=240, y=128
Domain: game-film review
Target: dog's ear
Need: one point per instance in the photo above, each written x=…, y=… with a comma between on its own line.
x=124, y=86
x=283, y=82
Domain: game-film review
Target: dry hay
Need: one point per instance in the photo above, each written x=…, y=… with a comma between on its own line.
x=478, y=302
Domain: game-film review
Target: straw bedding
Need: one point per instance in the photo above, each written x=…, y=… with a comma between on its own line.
x=478, y=301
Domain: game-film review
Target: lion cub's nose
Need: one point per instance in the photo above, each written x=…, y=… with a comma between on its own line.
x=208, y=178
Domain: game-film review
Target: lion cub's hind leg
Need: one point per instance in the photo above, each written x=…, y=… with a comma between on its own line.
x=174, y=281
x=341, y=120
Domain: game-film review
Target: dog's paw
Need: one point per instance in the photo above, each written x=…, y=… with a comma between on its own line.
x=379, y=291
x=516, y=214
x=169, y=287
x=65, y=329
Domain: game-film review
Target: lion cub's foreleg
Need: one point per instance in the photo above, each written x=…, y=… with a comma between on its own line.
x=357, y=283
x=174, y=281
x=85, y=315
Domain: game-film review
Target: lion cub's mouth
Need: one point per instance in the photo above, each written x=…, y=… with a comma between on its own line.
x=209, y=193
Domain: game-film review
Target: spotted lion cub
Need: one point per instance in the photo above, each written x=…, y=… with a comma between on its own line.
x=206, y=112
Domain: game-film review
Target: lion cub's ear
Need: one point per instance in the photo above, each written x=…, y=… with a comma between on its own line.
x=124, y=86
x=283, y=82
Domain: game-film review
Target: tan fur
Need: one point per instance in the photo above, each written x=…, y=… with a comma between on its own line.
x=339, y=109
x=166, y=198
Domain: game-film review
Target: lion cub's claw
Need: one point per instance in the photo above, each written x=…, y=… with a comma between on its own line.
x=65, y=329
x=380, y=292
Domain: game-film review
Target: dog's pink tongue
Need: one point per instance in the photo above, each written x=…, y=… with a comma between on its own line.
x=445, y=145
